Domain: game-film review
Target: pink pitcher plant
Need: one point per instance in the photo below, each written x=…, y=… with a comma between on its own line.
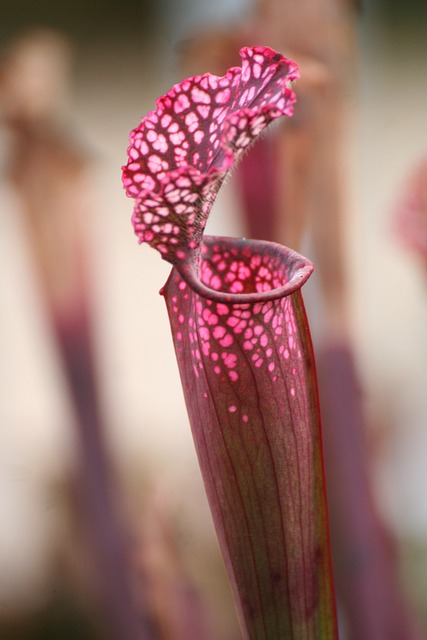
x=243, y=347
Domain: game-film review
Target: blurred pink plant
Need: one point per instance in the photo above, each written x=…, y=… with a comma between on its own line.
x=411, y=212
x=49, y=170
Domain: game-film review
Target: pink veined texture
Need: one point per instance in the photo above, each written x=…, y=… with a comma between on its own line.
x=237, y=267
x=242, y=345
x=181, y=152
x=248, y=377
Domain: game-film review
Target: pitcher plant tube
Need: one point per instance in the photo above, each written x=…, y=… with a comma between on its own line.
x=243, y=347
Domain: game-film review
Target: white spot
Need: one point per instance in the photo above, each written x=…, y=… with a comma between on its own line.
x=203, y=110
x=256, y=70
x=160, y=144
x=177, y=138
x=200, y=96
x=181, y=103
x=146, y=182
x=154, y=164
x=223, y=97
x=191, y=118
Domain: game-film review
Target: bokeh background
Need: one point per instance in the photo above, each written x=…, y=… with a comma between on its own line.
x=125, y=55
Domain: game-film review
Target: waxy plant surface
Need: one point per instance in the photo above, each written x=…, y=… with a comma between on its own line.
x=181, y=152
x=243, y=347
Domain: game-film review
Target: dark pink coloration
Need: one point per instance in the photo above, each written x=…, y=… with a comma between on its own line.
x=243, y=347
x=258, y=176
x=240, y=273
x=181, y=152
x=247, y=372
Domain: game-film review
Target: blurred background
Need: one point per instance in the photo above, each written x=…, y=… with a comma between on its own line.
x=117, y=59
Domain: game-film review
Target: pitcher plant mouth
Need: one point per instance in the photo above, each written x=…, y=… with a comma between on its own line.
x=286, y=270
